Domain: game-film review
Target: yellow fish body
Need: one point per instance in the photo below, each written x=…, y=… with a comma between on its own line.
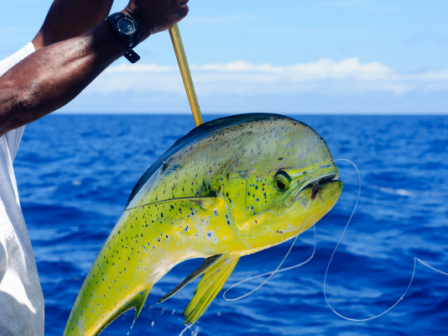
x=231, y=187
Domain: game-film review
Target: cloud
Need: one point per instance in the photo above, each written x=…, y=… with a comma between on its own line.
x=347, y=77
x=345, y=3
x=371, y=5
x=14, y=30
x=215, y=20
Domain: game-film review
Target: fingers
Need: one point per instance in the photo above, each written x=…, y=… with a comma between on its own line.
x=154, y=16
x=182, y=11
x=183, y=3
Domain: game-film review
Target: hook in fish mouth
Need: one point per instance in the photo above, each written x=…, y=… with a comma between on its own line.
x=313, y=183
x=321, y=180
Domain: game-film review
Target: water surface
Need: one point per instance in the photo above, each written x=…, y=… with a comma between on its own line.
x=75, y=174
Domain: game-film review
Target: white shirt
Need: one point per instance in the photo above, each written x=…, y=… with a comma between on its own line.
x=21, y=298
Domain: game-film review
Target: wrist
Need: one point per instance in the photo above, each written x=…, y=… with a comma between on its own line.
x=126, y=29
x=143, y=23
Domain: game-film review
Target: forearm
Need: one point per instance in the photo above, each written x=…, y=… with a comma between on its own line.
x=70, y=18
x=54, y=75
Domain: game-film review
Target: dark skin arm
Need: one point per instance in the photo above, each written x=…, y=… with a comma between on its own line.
x=55, y=74
x=70, y=18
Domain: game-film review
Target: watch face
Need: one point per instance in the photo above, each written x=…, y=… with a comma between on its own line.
x=126, y=26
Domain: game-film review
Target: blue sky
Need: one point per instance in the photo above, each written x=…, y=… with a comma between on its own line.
x=290, y=56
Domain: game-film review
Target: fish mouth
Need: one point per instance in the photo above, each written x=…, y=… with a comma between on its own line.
x=321, y=180
x=313, y=184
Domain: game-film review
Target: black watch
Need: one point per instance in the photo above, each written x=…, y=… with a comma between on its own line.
x=127, y=30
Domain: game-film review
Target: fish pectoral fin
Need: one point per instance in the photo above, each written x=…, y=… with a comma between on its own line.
x=211, y=283
x=205, y=265
x=204, y=202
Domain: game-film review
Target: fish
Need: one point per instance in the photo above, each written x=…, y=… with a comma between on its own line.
x=229, y=188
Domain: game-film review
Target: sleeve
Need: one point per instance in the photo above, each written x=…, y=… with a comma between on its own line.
x=13, y=137
x=12, y=60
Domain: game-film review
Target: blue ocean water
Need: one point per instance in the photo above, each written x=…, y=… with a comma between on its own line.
x=75, y=174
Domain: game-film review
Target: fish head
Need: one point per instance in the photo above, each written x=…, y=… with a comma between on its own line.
x=286, y=182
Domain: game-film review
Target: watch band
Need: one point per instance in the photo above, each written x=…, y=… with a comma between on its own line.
x=132, y=56
x=126, y=28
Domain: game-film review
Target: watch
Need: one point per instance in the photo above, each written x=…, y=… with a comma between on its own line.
x=126, y=28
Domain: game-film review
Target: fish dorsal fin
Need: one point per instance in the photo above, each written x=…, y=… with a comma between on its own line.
x=211, y=283
x=205, y=265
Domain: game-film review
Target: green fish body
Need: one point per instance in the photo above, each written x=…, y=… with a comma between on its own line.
x=231, y=187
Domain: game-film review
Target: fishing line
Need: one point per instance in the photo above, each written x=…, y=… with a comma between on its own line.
x=337, y=245
x=193, y=332
x=278, y=270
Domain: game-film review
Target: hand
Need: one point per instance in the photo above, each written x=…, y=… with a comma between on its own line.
x=154, y=16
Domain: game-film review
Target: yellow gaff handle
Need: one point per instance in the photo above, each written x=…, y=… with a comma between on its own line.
x=186, y=75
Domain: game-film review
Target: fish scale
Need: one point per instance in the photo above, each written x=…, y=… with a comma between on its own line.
x=213, y=195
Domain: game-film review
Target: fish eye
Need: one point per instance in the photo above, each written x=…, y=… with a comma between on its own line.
x=282, y=180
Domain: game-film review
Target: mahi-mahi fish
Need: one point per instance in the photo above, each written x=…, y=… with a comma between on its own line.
x=229, y=188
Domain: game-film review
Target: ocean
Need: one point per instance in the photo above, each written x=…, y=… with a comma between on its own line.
x=75, y=173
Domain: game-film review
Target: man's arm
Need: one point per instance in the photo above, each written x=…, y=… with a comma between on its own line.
x=54, y=75
x=70, y=18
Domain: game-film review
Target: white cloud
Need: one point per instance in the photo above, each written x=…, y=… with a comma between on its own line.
x=346, y=3
x=375, y=5
x=215, y=20
x=343, y=78
x=14, y=30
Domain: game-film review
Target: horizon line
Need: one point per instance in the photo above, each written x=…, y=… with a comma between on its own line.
x=234, y=113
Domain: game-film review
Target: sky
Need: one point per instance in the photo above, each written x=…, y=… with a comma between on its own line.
x=283, y=56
